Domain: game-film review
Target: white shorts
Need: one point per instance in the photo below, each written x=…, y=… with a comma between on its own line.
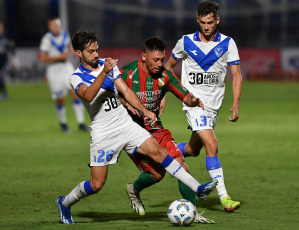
x=106, y=149
x=58, y=79
x=199, y=119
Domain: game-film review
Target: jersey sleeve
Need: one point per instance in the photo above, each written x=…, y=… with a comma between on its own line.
x=176, y=87
x=178, y=51
x=233, y=55
x=75, y=82
x=45, y=44
x=116, y=73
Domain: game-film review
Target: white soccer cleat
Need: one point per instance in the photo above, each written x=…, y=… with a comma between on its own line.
x=202, y=220
x=135, y=200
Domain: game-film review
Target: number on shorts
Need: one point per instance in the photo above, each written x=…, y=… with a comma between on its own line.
x=204, y=120
x=104, y=156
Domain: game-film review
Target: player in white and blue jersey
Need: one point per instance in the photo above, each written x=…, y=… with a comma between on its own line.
x=205, y=55
x=97, y=83
x=54, y=50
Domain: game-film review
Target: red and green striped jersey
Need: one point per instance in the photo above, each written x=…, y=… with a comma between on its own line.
x=151, y=90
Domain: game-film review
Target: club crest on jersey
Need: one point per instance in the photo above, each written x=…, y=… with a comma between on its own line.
x=161, y=82
x=218, y=51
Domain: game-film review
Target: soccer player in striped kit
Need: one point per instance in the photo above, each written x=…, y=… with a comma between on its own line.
x=150, y=81
x=205, y=55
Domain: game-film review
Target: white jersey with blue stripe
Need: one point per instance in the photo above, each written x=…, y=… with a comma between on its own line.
x=204, y=66
x=55, y=45
x=106, y=112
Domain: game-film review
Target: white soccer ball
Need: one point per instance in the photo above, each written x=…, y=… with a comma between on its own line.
x=181, y=212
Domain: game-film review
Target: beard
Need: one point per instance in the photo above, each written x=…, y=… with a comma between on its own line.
x=94, y=63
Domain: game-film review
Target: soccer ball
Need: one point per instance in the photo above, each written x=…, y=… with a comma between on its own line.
x=181, y=212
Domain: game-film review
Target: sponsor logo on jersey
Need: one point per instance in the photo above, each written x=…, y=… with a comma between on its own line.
x=218, y=51
x=136, y=82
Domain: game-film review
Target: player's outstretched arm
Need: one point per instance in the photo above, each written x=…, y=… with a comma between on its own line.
x=237, y=89
x=133, y=100
x=192, y=101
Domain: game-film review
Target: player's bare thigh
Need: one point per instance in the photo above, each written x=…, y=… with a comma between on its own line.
x=98, y=177
x=151, y=148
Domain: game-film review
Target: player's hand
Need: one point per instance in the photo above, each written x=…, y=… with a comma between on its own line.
x=235, y=111
x=133, y=110
x=162, y=105
x=152, y=117
x=109, y=65
x=196, y=101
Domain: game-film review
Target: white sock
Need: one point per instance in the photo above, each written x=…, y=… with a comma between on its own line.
x=82, y=190
x=218, y=174
x=79, y=111
x=176, y=170
x=61, y=113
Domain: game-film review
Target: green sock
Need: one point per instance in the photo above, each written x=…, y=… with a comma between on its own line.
x=187, y=193
x=143, y=181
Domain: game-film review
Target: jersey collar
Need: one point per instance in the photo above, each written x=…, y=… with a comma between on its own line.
x=197, y=38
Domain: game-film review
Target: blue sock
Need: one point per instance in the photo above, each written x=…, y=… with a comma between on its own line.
x=87, y=187
x=182, y=148
x=212, y=163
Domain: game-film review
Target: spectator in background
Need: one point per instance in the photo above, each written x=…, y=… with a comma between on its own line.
x=3, y=61
x=55, y=48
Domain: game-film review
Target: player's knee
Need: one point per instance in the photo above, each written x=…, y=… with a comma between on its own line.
x=158, y=176
x=97, y=186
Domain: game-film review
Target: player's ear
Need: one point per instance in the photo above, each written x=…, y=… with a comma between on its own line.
x=79, y=53
x=143, y=56
x=218, y=20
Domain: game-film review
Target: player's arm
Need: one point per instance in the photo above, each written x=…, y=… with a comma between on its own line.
x=44, y=57
x=193, y=101
x=237, y=89
x=133, y=100
x=171, y=64
x=89, y=93
x=129, y=107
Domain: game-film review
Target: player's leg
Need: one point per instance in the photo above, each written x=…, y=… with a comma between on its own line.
x=61, y=114
x=82, y=190
x=148, y=177
x=152, y=149
x=215, y=169
x=193, y=147
x=79, y=111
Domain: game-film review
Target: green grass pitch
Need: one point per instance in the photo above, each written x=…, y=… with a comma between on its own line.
x=259, y=155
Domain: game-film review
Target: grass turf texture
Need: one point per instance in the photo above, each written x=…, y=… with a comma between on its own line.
x=259, y=155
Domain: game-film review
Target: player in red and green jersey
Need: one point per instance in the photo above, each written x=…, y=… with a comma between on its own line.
x=150, y=81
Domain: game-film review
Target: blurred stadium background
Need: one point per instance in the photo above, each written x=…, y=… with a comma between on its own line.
x=266, y=31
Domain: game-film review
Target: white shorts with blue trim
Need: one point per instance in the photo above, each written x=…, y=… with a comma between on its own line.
x=199, y=119
x=105, y=150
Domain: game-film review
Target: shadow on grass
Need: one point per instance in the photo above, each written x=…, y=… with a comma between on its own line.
x=102, y=217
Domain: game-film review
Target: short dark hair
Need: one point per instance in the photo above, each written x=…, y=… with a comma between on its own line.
x=154, y=43
x=82, y=38
x=205, y=8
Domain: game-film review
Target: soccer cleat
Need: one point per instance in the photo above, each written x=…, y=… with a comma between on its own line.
x=135, y=200
x=64, y=212
x=204, y=190
x=202, y=220
x=83, y=127
x=65, y=128
x=230, y=205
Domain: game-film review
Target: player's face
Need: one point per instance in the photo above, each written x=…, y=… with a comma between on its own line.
x=90, y=56
x=152, y=61
x=208, y=24
x=54, y=26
